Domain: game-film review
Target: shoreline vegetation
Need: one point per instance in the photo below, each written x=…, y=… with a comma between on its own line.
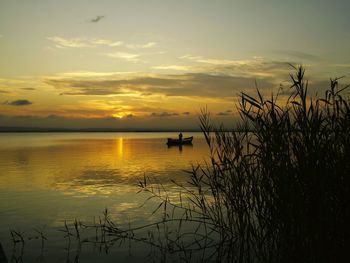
x=276, y=191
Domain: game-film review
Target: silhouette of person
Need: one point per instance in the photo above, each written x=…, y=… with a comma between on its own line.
x=180, y=136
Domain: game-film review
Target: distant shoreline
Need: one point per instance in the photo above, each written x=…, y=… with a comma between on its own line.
x=34, y=129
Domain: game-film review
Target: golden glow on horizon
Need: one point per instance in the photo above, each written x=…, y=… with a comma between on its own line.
x=118, y=115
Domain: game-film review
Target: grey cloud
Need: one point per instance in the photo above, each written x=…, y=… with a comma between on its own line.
x=300, y=55
x=224, y=80
x=90, y=91
x=256, y=68
x=265, y=70
x=163, y=114
x=18, y=103
x=191, y=84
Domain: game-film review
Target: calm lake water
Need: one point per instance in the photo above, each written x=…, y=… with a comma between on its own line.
x=47, y=178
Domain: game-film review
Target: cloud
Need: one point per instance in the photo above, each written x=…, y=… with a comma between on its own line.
x=254, y=68
x=125, y=56
x=221, y=62
x=298, y=55
x=18, y=103
x=185, y=85
x=28, y=88
x=83, y=42
x=3, y=91
x=141, y=46
x=212, y=61
x=190, y=57
x=163, y=114
x=346, y=66
x=186, y=113
x=173, y=67
x=61, y=42
x=107, y=42
x=70, y=42
x=257, y=67
x=87, y=74
x=96, y=19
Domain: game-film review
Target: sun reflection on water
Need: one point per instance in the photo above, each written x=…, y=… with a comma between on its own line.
x=120, y=146
x=47, y=179
x=89, y=165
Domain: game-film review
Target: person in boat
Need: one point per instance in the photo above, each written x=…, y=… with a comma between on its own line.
x=180, y=137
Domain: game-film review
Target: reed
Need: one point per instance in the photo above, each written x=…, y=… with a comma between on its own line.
x=276, y=191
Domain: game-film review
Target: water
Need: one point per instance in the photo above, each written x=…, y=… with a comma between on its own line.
x=47, y=178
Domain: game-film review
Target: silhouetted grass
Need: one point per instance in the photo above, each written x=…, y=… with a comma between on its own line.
x=277, y=191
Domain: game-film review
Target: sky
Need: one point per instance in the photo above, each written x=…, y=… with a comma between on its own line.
x=154, y=64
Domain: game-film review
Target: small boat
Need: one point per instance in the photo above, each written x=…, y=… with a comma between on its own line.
x=187, y=140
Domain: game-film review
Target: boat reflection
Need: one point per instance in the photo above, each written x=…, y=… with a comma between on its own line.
x=180, y=146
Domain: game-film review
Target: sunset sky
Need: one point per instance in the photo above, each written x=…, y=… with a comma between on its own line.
x=154, y=64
